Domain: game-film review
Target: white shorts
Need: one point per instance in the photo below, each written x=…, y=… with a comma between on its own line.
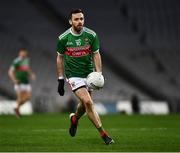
x=77, y=82
x=22, y=87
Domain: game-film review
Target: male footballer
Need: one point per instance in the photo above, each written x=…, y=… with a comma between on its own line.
x=20, y=73
x=78, y=55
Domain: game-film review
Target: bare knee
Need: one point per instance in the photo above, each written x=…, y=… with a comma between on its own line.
x=26, y=96
x=88, y=104
x=85, y=98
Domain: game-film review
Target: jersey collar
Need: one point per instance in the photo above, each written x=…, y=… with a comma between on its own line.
x=76, y=34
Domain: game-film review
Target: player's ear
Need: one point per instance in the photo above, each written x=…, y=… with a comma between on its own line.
x=70, y=21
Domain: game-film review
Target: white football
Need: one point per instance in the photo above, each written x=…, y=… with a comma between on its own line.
x=95, y=80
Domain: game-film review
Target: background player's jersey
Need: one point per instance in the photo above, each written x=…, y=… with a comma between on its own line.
x=77, y=51
x=22, y=69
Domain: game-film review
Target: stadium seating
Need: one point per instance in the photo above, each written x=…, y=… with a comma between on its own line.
x=140, y=35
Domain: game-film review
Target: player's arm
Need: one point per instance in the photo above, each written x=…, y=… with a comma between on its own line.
x=12, y=76
x=60, y=65
x=97, y=61
x=96, y=54
x=32, y=74
x=60, y=71
x=60, y=57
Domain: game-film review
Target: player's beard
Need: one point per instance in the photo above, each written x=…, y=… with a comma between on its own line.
x=78, y=28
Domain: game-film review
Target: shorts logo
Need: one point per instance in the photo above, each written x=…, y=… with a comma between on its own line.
x=72, y=84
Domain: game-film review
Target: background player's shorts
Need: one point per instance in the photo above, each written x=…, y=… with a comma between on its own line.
x=22, y=87
x=77, y=82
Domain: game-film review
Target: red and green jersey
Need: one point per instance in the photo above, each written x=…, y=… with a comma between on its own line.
x=77, y=51
x=21, y=69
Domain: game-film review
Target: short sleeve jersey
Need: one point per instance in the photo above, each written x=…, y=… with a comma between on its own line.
x=21, y=68
x=78, y=52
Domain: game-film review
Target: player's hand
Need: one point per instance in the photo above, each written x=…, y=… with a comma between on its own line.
x=33, y=76
x=61, y=87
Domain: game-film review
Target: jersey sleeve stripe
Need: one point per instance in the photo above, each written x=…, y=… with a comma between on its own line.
x=89, y=31
x=64, y=34
x=96, y=51
x=59, y=54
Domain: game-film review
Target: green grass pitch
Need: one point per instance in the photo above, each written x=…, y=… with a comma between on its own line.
x=49, y=132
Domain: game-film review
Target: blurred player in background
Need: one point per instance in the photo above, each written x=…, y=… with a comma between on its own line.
x=20, y=74
x=78, y=55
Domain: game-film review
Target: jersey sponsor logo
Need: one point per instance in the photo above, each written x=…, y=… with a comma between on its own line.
x=78, y=51
x=23, y=68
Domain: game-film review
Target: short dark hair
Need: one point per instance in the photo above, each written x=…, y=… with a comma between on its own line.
x=74, y=11
x=22, y=48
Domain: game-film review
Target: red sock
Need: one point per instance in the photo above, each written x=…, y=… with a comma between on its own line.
x=103, y=133
x=74, y=119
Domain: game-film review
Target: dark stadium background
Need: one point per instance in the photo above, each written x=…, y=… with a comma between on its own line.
x=140, y=46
